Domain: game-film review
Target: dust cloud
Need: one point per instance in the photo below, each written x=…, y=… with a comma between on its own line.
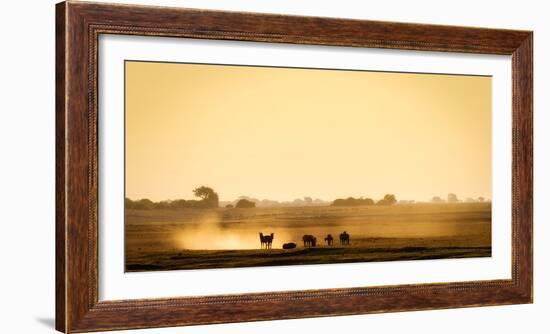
x=209, y=233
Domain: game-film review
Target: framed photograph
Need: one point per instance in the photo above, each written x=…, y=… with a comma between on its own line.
x=223, y=167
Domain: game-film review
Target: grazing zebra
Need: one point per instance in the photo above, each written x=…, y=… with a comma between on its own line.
x=266, y=240
x=344, y=238
x=289, y=245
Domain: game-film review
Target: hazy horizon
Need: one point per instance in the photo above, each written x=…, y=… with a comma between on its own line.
x=327, y=200
x=282, y=134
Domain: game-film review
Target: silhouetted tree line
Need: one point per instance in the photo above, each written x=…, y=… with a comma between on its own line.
x=208, y=199
x=452, y=198
x=350, y=201
x=267, y=203
x=388, y=199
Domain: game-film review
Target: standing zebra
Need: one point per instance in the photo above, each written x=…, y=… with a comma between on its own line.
x=309, y=240
x=329, y=239
x=266, y=240
x=344, y=238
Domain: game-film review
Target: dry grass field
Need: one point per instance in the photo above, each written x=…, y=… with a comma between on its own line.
x=226, y=238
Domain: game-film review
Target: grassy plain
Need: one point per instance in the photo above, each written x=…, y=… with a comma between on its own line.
x=225, y=238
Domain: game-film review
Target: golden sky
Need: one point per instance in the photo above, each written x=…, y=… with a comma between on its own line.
x=281, y=133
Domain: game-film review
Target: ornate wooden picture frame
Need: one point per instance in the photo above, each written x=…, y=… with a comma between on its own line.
x=78, y=27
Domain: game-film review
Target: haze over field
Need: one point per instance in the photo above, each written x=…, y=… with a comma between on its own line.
x=219, y=238
x=281, y=134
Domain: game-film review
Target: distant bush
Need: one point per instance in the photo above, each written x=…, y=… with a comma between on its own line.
x=229, y=206
x=243, y=203
x=350, y=201
x=437, y=199
x=142, y=204
x=452, y=198
x=388, y=199
x=178, y=204
x=162, y=205
x=128, y=203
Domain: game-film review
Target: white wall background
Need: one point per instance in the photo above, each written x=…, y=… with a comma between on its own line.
x=27, y=72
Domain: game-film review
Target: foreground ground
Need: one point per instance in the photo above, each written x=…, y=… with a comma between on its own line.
x=208, y=259
x=225, y=238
